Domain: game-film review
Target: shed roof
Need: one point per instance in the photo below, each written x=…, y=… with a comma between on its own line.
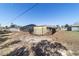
x=46, y=26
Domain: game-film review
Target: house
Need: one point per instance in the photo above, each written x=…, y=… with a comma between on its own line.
x=14, y=29
x=75, y=27
x=43, y=30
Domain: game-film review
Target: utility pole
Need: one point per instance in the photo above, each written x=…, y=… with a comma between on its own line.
x=42, y=30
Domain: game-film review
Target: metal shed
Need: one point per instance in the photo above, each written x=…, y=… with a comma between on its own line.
x=43, y=30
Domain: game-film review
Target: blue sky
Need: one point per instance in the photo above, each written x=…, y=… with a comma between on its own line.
x=43, y=13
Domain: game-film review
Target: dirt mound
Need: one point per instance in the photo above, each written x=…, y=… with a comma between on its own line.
x=42, y=48
x=46, y=48
x=19, y=52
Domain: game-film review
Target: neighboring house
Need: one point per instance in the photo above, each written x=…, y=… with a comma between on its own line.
x=43, y=30
x=0, y=28
x=14, y=29
x=75, y=27
x=63, y=28
x=9, y=29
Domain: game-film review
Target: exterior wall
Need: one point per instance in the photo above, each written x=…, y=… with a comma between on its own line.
x=14, y=29
x=64, y=29
x=75, y=28
x=0, y=29
x=40, y=30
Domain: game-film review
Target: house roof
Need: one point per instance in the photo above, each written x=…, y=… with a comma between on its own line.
x=46, y=26
x=75, y=25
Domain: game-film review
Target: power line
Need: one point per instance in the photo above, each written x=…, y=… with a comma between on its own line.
x=27, y=10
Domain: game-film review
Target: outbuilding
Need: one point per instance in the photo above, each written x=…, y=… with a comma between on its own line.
x=43, y=30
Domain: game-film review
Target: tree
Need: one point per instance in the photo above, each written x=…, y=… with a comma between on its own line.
x=13, y=25
x=57, y=26
x=6, y=27
x=66, y=26
x=28, y=28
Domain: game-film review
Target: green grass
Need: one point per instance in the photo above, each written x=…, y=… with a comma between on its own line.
x=3, y=36
x=73, y=39
x=70, y=39
x=73, y=33
x=11, y=43
x=3, y=39
x=4, y=32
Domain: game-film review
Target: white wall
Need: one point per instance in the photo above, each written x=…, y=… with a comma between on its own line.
x=75, y=28
x=14, y=29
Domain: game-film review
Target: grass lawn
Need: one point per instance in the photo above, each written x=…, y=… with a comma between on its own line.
x=70, y=39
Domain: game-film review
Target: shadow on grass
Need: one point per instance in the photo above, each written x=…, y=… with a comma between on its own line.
x=3, y=39
x=19, y=52
x=6, y=45
x=4, y=35
x=4, y=32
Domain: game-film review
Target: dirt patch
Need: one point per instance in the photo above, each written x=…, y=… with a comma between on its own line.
x=42, y=48
x=64, y=39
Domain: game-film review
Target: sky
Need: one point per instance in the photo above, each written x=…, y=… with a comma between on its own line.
x=42, y=14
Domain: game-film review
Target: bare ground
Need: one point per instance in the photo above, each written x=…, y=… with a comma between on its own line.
x=18, y=39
